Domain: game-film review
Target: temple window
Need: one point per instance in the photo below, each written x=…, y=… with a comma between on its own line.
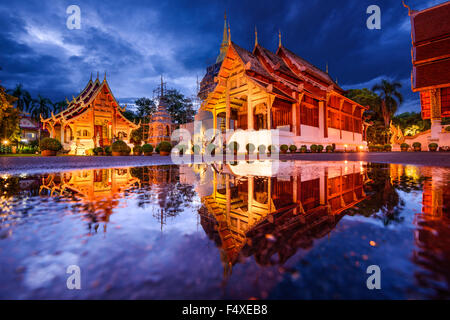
x=445, y=102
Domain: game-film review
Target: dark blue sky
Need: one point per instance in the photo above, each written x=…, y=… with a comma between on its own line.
x=136, y=41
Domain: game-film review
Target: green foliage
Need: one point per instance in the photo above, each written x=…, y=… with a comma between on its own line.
x=97, y=150
x=313, y=147
x=108, y=150
x=250, y=147
x=262, y=149
x=164, y=146
x=404, y=145
x=120, y=146
x=50, y=144
x=417, y=145
x=387, y=147
x=292, y=148
x=147, y=148
x=145, y=108
x=303, y=148
x=137, y=149
x=411, y=123
x=433, y=145
x=447, y=129
x=284, y=147
x=180, y=108
x=271, y=148
x=329, y=148
x=319, y=148
x=136, y=136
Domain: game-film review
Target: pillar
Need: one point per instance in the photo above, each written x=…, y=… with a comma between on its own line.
x=294, y=119
x=435, y=100
x=269, y=114
x=322, y=120
x=250, y=121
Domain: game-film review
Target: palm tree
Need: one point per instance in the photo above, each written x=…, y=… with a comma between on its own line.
x=59, y=106
x=391, y=98
x=24, y=99
x=40, y=106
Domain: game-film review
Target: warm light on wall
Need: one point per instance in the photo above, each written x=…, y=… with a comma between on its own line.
x=5, y=142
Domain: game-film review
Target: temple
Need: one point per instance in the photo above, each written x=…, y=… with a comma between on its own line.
x=160, y=127
x=260, y=91
x=261, y=214
x=430, y=35
x=93, y=118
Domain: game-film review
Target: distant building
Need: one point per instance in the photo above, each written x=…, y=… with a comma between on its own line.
x=94, y=118
x=430, y=34
x=29, y=129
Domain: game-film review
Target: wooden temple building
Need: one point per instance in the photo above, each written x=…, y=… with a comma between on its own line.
x=430, y=35
x=94, y=118
x=263, y=215
x=260, y=91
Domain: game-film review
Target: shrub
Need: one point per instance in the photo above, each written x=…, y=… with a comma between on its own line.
x=136, y=136
x=417, y=145
x=447, y=129
x=137, y=149
x=284, y=148
x=250, y=147
x=147, y=148
x=319, y=148
x=329, y=148
x=50, y=144
x=313, y=147
x=387, y=147
x=157, y=149
x=120, y=146
x=404, y=145
x=292, y=148
x=108, y=150
x=303, y=148
x=262, y=149
x=195, y=149
x=271, y=148
x=165, y=146
x=433, y=146
x=233, y=146
x=98, y=150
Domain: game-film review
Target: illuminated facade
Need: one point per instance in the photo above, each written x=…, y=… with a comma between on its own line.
x=430, y=35
x=260, y=91
x=94, y=118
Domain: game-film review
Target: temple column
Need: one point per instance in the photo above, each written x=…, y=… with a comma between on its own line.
x=251, y=184
x=322, y=119
x=62, y=132
x=269, y=114
x=228, y=111
x=325, y=117
x=228, y=194
x=250, y=122
x=340, y=118
x=435, y=100
x=294, y=118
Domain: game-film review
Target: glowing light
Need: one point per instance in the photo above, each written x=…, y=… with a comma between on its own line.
x=372, y=243
x=5, y=142
x=361, y=147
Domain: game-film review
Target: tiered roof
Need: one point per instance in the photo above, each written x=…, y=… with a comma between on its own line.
x=83, y=102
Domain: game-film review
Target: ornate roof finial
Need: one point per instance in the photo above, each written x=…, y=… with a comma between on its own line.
x=256, y=36
x=406, y=6
x=279, y=38
x=229, y=34
x=97, y=75
x=91, y=77
x=162, y=86
x=327, y=67
x=104, y=78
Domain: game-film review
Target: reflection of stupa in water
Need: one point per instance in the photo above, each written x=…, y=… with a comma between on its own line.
x=261, y=216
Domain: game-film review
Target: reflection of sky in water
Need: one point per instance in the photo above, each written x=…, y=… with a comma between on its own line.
x=301, y=245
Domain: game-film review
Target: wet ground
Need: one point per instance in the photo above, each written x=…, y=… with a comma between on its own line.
x=278, y=230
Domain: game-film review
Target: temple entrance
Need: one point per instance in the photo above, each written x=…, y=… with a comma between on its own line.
x=68, y=135
x=98, y=135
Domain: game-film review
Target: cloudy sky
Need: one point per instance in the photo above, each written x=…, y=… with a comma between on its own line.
x=137, y=41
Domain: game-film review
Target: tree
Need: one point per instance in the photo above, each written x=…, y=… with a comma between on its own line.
x=130, y=115
x=59, y=106
x=411, y=123
x=40, y=106
x=179, y=107
x=9, y=117
x=145, y=108
x=24, y=100
x=391, y=98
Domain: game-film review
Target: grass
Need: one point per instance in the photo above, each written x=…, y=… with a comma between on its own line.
x=19, y=155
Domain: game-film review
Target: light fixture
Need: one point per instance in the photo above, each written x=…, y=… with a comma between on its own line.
x=5, y=142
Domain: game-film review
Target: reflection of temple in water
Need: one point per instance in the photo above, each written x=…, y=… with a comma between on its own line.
x=264, y=215
x=98, y=189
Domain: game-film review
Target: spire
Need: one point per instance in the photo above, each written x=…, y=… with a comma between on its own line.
x=91, y=77
x=104, y=78
x=229, y=34
x=256, y=36
x=279, y=39
x=97, y=75
x=224, y=44
x=162, y=87
x=327, y=67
